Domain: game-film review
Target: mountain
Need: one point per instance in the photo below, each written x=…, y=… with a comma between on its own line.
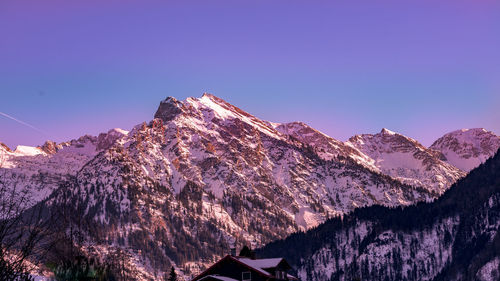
x=38, y=171
x=326, y=147
x=407, y=160
x=204, y=175
x=467, y=148
x=454, y=238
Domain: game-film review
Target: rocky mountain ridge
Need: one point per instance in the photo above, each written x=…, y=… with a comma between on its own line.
x=205, y=174
x=467, y=148
x=407, y=160
x=40, y=170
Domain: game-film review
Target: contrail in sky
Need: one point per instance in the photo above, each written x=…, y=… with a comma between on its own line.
x=21, y=122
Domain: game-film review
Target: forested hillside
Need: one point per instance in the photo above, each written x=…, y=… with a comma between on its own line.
x=453, y=238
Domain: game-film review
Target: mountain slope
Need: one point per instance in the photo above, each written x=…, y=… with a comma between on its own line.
x=204, y=174
x=40, y=170
x=467, y=148
x=454, y=238
x=325, y=146
x=407, y=160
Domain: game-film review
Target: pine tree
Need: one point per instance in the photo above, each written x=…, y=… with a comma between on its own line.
x=246, y=252
x=173, y=275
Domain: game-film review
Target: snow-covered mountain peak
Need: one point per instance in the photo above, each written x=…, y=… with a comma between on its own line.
x=225, y=110
x=467, y=148
x=473, y=130
x=385, y=131
x=50, y=147
x=407, y=160
x=385, y=141
x=106, y=140
x=209, y=111
x=118, y=131
x=169, y=108
x=24, y=150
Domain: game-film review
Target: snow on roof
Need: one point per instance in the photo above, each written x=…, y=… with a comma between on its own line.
x=249, y=264
x=258, y=265
x=222, y=278
x=261, y=263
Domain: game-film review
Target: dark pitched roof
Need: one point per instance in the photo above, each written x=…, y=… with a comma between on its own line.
x=257, y=265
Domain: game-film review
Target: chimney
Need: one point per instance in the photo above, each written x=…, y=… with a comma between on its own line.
x=252, y=252
x=252, y=255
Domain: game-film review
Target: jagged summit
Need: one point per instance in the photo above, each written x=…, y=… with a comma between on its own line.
x=469, y=131
x=210, y=96
x=106, y=140
x=168, y=109
x=467, y=148
x=50, y=147
x=384, y=134
x=387, y=132
x=210, y=109
x=407, y=160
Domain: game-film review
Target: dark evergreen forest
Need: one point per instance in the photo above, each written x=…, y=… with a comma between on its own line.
x=466, y=199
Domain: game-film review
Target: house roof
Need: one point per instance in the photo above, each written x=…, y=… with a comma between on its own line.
x=258, y=265
x=254, y=264
x=229, y=257
x=261, y=263
x=218, y=277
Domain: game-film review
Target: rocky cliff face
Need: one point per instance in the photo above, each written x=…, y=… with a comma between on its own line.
x=467, y=148
x=324, y=146
x=407, y=160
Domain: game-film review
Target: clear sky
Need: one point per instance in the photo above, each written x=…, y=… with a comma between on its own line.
x=422, y=68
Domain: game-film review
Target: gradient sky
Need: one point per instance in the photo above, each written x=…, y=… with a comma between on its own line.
x=421, y=68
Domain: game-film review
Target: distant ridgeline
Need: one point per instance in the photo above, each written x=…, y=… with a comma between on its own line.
x=453, y=238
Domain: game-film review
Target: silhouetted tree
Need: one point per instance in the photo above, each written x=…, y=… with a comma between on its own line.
x=245, y=252
x=173, y=275
x=24, y=231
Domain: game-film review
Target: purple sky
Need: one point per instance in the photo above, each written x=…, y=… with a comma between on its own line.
x=422, y=68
